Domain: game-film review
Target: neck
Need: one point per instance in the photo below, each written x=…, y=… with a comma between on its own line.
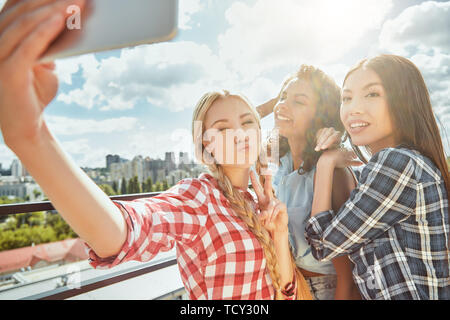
x=238, y=176
x=388, y=142
x=297, y=145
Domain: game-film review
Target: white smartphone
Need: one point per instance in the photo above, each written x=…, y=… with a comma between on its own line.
x=113, y=24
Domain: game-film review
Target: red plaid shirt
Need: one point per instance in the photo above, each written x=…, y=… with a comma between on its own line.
x=218, y=256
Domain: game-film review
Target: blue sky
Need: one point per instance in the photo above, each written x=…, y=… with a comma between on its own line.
x=139, y=101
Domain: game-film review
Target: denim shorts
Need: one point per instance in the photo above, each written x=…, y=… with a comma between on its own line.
x=323, y=287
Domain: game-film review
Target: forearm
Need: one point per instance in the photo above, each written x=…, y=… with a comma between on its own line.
x=85, y=207
x=266, y=108
x=283, y=252
x=323, y=186
x=345, y=288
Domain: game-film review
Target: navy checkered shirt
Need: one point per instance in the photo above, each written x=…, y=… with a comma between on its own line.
x=394, y=227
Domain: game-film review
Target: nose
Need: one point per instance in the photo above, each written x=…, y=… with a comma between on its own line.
x=280, y=107
x=354, y=107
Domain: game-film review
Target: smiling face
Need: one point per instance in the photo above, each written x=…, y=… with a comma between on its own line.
x=232, y=133
x=295, y=109
x=365, y=111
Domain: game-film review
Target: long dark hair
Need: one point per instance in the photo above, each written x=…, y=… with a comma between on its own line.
x=409, y=107
x=326, y=115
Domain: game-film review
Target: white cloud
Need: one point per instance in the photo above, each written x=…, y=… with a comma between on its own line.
x=172, y=75
x=2, y=3
x=84, y=154
x=270, y=33
x=186, y=8
x=70, y=126
x=421, y=27
x=420, y=33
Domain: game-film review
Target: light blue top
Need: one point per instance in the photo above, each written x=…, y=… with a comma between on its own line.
x=296, y=191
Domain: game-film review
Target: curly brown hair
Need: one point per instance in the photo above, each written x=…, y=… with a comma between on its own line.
x=326, y=116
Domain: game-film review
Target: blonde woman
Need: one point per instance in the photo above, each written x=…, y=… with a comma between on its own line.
x=224, y=250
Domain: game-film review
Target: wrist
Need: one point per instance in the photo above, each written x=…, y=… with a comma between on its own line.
x=31, y=140
x=326, y=161
x=279, y=236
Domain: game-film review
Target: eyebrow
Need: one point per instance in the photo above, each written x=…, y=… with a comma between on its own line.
x=226, y=120
x=367, y=86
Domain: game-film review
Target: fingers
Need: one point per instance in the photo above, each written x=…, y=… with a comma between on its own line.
x=327, y=137
x=351, y=158
x=356, y=163
x=30, y=33
x=37, y=41
x=333, y=140
x=268, y=187
x=269, y=217
x=256, y=186
x=14, y=9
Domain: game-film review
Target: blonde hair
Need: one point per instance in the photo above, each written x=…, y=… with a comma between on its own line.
x=239, y=204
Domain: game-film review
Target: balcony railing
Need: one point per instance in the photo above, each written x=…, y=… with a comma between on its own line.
x=97, y=282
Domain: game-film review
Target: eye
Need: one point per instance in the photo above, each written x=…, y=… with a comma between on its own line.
x=373, y=95
x=346, y=99
x=248, y=122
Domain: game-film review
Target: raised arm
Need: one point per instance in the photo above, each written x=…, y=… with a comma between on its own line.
x=266, y=108
x=385, y=195
x=26, y=88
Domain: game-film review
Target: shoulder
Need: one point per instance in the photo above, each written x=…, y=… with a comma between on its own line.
x=195, y=188
x=396, y=160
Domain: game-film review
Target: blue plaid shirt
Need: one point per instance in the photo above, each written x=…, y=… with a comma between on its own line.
x=394, y=227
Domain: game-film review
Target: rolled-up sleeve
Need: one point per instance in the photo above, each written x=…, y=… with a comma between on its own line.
x=385, y=195
x=155, y=224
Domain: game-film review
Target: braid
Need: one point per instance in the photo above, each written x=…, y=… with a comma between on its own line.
x=238, y=203
x=245, y=212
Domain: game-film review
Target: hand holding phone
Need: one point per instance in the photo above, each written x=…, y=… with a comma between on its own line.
x=113, y=24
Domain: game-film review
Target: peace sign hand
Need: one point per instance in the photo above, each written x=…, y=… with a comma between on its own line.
x=273, y=214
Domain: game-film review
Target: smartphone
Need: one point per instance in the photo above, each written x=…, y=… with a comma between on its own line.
x=112, y=24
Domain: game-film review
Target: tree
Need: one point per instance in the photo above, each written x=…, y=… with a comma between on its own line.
x=115, y=187
x=159, y=186
x=134, y=186
x=107, y=189
x=165, y=185
x=123, y=187
x=61, y=228
x=147, y=185
x=37, y=193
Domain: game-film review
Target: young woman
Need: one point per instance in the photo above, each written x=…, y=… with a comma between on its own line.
x=394, y=226
x=309, y=100
x=225, y=250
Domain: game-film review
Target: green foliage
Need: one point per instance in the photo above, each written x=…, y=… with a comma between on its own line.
x=123, y=186
x=59, y=225
x=36, y=193
x=24, y=229
x=147, y=185
x=165, y=185
x=115, y=187
x=25, y=236
x=134, y=185
x=107, y=189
